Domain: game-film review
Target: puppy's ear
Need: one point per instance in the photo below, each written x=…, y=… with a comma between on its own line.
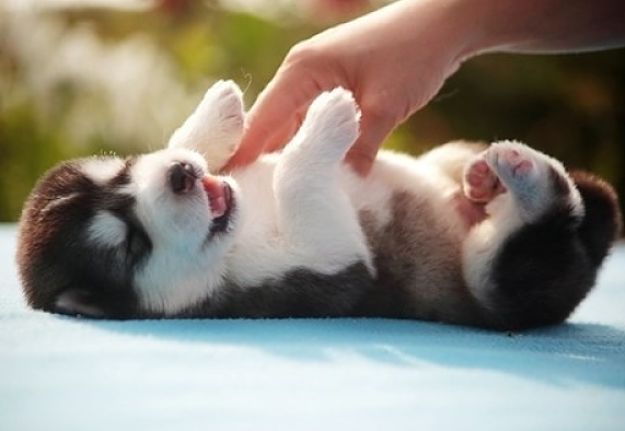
x=214, y=129
x=76, y=302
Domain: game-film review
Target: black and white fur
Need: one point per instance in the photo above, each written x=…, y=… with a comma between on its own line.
x=500, y=236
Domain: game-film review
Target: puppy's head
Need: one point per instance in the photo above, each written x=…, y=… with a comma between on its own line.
x=144, y=236
x=122, y=238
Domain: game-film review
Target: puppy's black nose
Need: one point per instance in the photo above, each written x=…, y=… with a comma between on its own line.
x=182, y=177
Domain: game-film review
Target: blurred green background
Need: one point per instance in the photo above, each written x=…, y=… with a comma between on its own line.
x=76, y=81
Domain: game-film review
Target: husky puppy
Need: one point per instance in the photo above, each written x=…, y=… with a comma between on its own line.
x=497, y=236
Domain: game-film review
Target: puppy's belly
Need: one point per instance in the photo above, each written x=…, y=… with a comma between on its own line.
x=412, y=228
x=415, y=236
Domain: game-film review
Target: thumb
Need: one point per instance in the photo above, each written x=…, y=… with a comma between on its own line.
x=374, y=128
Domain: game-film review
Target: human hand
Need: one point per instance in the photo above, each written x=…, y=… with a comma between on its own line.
x=394, y=60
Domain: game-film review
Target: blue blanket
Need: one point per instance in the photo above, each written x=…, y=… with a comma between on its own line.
x=61, y=373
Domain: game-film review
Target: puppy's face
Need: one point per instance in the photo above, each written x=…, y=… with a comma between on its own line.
x=121, y=238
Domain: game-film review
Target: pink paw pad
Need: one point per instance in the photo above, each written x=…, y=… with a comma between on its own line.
x=519, y=164
x=480, y=182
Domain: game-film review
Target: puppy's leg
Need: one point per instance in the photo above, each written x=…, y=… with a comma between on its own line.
x=524, y=263
x=214, y=129
x=315, y=214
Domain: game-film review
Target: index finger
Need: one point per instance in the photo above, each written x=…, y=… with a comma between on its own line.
x=374, y=128
x=273, y=116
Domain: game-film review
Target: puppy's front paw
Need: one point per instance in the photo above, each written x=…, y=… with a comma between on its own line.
x=331, y=125
x=221, y=110
x=226, y=98
x=215, y=127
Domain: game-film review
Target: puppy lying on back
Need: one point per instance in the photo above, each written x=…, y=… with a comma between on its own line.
x=500, y=237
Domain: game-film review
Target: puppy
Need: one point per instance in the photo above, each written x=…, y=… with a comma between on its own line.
x=497, y=236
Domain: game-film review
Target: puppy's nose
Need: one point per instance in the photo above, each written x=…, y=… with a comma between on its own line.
x=182, y=177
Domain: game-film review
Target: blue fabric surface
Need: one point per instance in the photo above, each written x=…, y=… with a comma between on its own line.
x=367, y=374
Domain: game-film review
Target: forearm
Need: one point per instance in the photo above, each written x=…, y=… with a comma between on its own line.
x=543, y=26
x=460, y=29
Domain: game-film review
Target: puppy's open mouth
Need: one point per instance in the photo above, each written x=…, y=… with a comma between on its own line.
x=221, y=202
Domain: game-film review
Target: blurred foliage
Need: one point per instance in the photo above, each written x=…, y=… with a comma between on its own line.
x=570, y=106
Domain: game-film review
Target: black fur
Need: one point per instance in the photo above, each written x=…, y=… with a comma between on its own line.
x=53, y=256
x=545, y=270
x=299, y=293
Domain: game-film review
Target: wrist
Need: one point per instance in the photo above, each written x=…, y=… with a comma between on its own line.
x=502, y=25
x=539, y=26
x=479, y=26
x=446, y=29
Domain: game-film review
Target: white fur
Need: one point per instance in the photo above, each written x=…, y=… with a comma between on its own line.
x=101, y=170
x=182, y=269
x=58, y=202
x=107, y=230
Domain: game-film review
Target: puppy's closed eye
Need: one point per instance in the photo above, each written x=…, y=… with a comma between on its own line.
x=137, y=244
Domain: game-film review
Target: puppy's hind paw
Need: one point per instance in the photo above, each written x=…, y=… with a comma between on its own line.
x=226, y=99
x=480, y=184
x=534, y=180
x=516, y=165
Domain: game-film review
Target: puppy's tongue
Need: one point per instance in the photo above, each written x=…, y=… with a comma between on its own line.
x=216, y=195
